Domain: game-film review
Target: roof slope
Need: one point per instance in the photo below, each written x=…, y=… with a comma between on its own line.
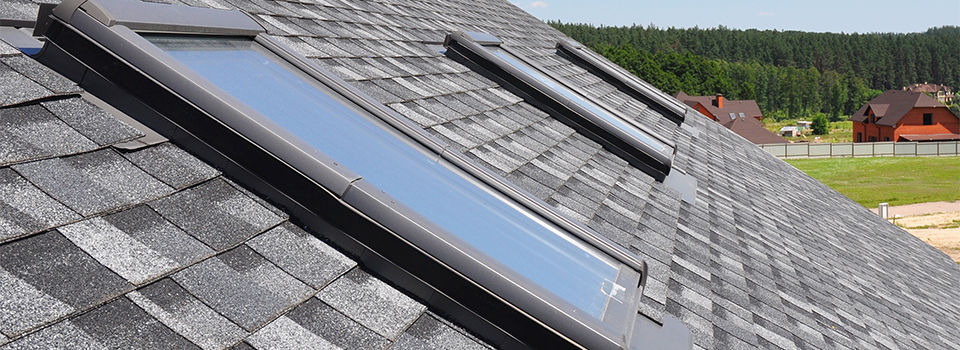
x=753, y=130
x=744, y=266
x=106, y=248
x=892, y=105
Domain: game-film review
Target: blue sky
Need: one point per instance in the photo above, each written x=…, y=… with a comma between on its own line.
x=814, y=15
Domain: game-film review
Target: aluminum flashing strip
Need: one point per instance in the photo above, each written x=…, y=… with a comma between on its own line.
x=20, y=40
x=636, y=88
x=608, y=131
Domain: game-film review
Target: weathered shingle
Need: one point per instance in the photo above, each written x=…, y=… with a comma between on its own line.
x=137, y=244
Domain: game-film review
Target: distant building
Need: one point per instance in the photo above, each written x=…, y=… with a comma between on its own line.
x=904, y=116
x=721, y=109
x=741, y=116
x=941, y=92
x=790, y=131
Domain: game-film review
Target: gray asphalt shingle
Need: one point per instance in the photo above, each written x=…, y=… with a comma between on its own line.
x=216, y=213
x=314, y=324
x=25, y=209
x=31, y=132
x=372, y=303
x=301, y=254
x=172, y=165
x=430, y=333
x=243, y=286
x=93, y=122
x=94, y=182
x=120, y=324
x=172, y=305
x=48, y=277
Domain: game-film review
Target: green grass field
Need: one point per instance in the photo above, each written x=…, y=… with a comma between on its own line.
x=839, y=131
x=897, y=181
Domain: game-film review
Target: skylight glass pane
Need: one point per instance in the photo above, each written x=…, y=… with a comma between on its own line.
x=600, y=112
x=515, y=237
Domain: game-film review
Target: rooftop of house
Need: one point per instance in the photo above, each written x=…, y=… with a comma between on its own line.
x=749, y=108
x=753, y=130
x=893, y=105
x=101, y=246
x=928, y=87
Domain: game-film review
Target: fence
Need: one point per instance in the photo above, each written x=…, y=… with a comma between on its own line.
x=863, y=149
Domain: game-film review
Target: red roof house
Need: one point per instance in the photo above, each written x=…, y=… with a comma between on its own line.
x=904, y=116
x=741, y=116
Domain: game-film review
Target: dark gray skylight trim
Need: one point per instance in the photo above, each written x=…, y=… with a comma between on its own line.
x=146, y=16
x=127, y=45
x=636, y=88
x=462, y=48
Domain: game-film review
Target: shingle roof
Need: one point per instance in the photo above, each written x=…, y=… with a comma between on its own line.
x=749, y=108
x=893, y=105
x=97, y=244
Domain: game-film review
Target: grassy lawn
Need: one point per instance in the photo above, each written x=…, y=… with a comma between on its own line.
x=897, y=181
x=839, y=131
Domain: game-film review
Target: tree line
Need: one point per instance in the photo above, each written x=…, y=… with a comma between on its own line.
x=793, y=74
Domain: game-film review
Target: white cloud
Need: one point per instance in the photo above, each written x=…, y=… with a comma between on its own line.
x=539, y=4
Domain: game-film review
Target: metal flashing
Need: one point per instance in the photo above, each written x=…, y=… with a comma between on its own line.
x=483, y=38
x=683, y=183
x=20, y=40
x=638, y=153
x=671, y=335
x=636, y=88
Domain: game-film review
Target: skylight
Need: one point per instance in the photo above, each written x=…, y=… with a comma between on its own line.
x=622, y=135
x=537, y=250
x=624, y=81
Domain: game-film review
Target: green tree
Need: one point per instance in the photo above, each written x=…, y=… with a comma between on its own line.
x=821, y=125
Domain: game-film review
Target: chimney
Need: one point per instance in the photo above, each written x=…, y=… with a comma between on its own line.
x=719, y=101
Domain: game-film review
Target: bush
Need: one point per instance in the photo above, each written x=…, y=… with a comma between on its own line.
x=821, y=125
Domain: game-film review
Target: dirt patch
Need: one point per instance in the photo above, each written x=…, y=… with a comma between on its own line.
x=937, y=223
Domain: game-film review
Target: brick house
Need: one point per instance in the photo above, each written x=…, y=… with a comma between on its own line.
x=741, y=116
x=904, y=116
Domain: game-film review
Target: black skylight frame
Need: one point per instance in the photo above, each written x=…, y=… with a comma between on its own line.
x=475, y=50
x=97, y=44
x=624, y=81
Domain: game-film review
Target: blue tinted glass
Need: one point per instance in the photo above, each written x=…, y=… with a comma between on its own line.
x=619, y=123
x=514, y=237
